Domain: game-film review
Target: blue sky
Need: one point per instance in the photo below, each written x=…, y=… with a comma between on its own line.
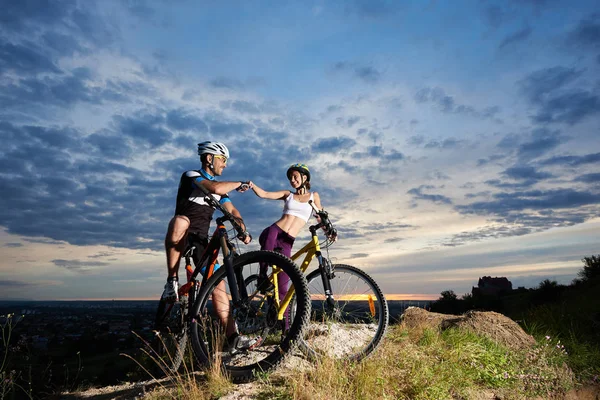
x=447, y=140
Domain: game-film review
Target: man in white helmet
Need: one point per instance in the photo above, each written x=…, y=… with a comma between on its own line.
x=192, y=221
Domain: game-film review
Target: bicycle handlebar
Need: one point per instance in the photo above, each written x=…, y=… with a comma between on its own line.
x=325, y=223
x=227, y=216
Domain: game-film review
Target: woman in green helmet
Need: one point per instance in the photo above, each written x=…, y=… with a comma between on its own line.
x=296, y=213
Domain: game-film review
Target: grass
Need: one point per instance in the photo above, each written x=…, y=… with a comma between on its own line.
x=433, y=365
x=549, y=321
x=187, y=383
x=411, y=364
x=9, y=386
x=574, y=320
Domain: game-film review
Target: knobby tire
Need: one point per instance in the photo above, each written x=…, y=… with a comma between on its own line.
x=346, y=277
x=276, y=345
x=170, y=342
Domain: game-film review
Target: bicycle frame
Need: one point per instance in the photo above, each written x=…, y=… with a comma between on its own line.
x=310, y=250
x=218, y=242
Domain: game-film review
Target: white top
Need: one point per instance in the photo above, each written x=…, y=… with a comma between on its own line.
x=297, y=208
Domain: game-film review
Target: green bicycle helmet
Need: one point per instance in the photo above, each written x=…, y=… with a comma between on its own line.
x=302, y=168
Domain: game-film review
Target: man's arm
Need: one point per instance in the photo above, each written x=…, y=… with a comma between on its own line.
x=231, y=209
x=220, y=188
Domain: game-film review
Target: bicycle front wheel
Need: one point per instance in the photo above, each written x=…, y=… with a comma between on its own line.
x=352, y=324
x=255, y=319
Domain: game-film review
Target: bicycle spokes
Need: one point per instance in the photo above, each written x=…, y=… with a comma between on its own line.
x=349, y=318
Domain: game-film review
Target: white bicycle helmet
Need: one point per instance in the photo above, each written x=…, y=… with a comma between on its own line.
x=215, y=148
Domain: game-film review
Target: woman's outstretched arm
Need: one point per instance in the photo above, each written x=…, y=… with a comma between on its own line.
x=263, y=194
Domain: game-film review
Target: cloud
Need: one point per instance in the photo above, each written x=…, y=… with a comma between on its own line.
x=538, y=85
x=548, y=90
x=83, y=200
x=222, y=126
x=347, y=122
x=525, y=172
x=573, y=161
x=36, y=95
x=145, y=128
x=19, y=15
x=109, y=145
x=485, y=193
x=525, y=175
x=240, y=106
x=333, y=144
x=516, y=37
x=78, y=266
x=570, y=108
x=359, y=255
x=587, y=33
x=25, y=59
x=448, y=143
x=447, y=104
x=367, y=74
x=417, y=193
x=489, y=159
x=182, y=120
x=415, y=140
x=223, y=82
x=504, y=203
x=16, y=284
x=346, y=166
x=386, y=226
x=522, y=212
x=589, y=178
x=491, y=232
x=394, y=240
x=542, y=141
x=378, y=152
x=511, y=185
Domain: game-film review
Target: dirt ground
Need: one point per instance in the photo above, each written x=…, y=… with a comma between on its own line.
x=495, y=326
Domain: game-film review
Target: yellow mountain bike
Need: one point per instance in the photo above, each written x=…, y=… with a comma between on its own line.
x=349, y=311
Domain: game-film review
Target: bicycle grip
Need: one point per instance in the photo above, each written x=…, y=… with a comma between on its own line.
x=243, y=187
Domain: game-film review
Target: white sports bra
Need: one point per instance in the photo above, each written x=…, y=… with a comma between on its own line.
x=297, y=208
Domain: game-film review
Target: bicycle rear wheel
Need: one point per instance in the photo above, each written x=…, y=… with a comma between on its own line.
x=352, y=325
x=170, y=336
x=255, y=319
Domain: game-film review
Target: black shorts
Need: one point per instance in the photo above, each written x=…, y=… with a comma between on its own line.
x=201, y=242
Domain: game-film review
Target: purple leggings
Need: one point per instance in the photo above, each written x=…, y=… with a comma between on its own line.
x=274, y=238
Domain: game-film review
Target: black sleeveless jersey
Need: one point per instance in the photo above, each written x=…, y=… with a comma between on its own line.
x=191, y=203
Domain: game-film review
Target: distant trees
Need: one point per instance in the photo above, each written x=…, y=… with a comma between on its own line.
x=449, y=303
x=448, y=295
x=591, y=269
x=547, y=291
x=494, y=294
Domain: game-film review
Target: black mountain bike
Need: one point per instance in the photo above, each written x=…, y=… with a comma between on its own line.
x=215, y=297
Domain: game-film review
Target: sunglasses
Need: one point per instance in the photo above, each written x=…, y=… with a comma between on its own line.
x=222, y=158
